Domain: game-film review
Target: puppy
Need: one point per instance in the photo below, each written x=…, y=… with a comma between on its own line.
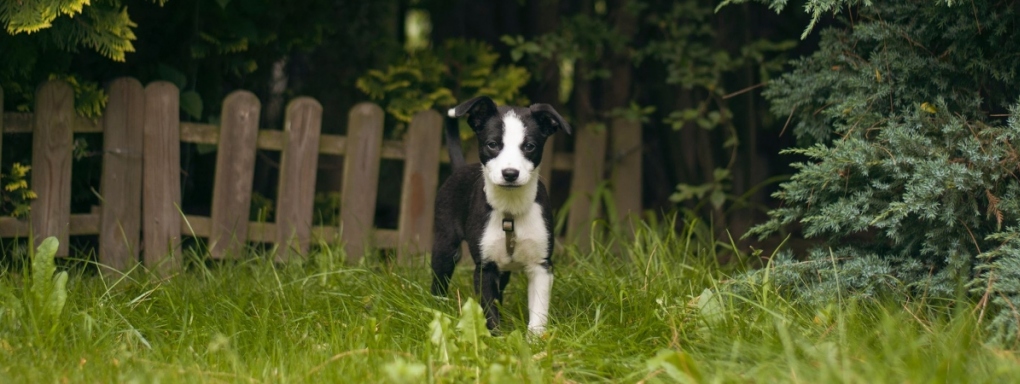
x=499, y=206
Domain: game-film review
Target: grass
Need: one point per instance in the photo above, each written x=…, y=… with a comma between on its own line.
x=647, y=310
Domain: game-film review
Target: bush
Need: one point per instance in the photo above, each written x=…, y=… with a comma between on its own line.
x=907, y=115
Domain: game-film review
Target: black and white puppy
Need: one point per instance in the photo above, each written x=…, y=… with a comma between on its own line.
x=499, y=207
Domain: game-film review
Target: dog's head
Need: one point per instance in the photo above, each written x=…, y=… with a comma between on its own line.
x=510, y=139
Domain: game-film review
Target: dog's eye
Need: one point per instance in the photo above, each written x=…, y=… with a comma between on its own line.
x=528, y=147
x=492, y=145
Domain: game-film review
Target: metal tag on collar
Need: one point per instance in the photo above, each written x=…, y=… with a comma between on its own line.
x=511, y=237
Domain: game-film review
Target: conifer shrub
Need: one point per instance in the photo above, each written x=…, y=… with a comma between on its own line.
x=908, y=116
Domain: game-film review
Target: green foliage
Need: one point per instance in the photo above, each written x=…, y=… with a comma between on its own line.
x=36, y=308
x=49, y=288
x=17, y=197
x=680, y=40
x=68, y=24
x=715, y=190
x=695, y=62
x=262, y=208
x=580, y=38
x=457, y=70
x=910, y=166
x=89, y=98
x=41, y=37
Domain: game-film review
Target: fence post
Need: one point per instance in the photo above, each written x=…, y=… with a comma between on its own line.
x=235, y=171
x=52, y=144
x=421, y=177
x=295, y=199
x=161, y=178
x=361, y=178
x=121, y=184
x=589, y=163
x=626, y=167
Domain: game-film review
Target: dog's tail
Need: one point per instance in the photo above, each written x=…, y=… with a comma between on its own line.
x=453, y=143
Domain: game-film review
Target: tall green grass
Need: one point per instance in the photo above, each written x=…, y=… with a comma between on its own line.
x=652, y=308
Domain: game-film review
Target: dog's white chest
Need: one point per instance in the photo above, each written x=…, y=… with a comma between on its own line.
x=532, y=240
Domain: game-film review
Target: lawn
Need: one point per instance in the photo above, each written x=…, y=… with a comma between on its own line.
x=651, y=309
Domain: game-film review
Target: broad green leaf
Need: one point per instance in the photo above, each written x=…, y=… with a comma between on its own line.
x=440, y=336
x=43, y=268
x=472, y=324
x=172, y=75
x=55, y=304
x=709, y=307
x=718, y=198
x=191, y=104
x=401, y=371
x=677, y=364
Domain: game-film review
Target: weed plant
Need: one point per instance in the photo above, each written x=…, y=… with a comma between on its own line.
x=650, y=306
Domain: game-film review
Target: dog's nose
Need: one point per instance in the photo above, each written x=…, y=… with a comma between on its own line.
x=510, y=174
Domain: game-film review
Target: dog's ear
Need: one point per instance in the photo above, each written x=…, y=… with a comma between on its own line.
x=479, y=110
x=548, y=119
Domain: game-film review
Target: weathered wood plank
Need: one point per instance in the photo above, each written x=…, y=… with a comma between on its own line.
x=332, y=145
x=11, y=227
x=295, y=198
x=161, y=178
x=626, y=166
x=235, y=171
x=393, y=150
x=273, y=140
x=380, y=238
x=589, y=164
x=197, y=226
x=23, y=122
x=198, y=133
x=18, y=122
x=121, y=183
x=85, y=224
x=421, y=178
x=360, y=178
x=51, y=162
x=79, y=224
x=201, y=133
x=201, y=226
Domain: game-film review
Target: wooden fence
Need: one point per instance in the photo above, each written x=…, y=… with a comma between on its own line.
x=141, y=193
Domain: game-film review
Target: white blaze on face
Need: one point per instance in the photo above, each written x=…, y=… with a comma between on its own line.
x=511, y=156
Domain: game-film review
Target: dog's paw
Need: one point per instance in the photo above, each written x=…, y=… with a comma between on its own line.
x=537, y=332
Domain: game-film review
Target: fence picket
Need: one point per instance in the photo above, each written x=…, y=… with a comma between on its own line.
x=52, y=144
x=626, y=176
x=121, y=183
x=421, y=178
x=589, y=163
x=161, y=178
x=295, y=199
x=361, y=178
x=235, y=171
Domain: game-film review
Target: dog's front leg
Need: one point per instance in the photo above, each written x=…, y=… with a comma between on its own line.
x=487, y=279
x=540, y=280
